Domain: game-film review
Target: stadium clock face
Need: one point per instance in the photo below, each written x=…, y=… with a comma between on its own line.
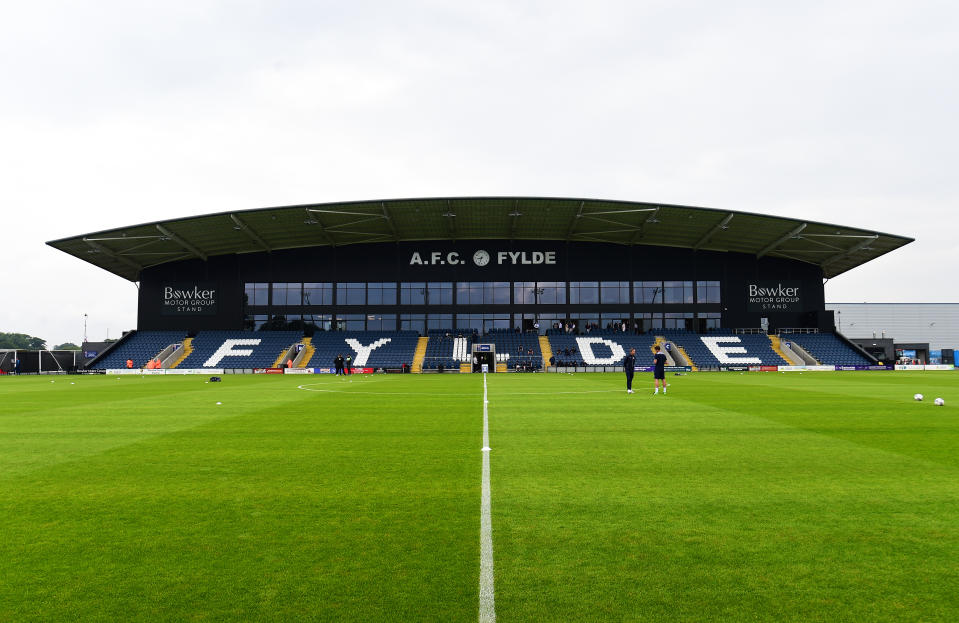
x=481, y=258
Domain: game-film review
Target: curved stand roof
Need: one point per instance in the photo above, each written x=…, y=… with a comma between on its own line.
x=126, y=251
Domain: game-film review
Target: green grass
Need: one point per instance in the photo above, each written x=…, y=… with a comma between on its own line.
x=762, y=496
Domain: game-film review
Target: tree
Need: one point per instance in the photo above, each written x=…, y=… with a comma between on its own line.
x=67, y=346
x=21, y=341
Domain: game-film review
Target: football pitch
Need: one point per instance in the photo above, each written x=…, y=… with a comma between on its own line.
x=758, y=496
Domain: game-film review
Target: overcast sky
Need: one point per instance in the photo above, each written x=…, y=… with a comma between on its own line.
x=117, y=113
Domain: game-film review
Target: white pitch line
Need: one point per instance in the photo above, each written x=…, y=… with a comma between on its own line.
x=487, y=602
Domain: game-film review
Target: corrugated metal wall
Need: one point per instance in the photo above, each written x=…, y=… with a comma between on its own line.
x=935, y=323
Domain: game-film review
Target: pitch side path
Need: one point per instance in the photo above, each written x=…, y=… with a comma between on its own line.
x=763, y=496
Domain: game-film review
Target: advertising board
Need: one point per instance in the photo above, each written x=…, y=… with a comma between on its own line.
x=666, y=369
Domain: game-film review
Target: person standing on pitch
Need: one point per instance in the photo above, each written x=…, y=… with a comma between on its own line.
x=659, y=370
x=349, y=364
x=338, y=364
x=629, y=367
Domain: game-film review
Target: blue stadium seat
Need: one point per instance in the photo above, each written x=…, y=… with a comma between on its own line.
x=828, y=349
x=141, y=347
x=757, y=346
x=439, y=348
x=395, y=348
x=567, y=349
x=264, y=353
x=517, y=350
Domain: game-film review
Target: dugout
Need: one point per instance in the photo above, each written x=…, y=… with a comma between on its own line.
x=481, y=264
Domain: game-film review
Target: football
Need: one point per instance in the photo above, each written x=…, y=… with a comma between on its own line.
x=939, y=402
x=918, y=397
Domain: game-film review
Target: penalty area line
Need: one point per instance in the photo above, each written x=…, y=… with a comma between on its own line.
x=487, y=602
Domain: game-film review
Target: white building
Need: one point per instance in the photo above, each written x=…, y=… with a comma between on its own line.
x=935, y=323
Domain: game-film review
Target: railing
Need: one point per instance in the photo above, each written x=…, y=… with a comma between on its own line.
x=796, y=330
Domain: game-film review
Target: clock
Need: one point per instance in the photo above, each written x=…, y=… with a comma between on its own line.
x=481, y=258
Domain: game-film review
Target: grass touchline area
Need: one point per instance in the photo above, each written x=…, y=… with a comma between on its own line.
x=757, y=496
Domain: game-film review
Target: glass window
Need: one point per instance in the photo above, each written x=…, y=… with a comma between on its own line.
x=585, y=321
x=469, y=293
x=482, y=293
x=524, y=292
x=413, y=322
x=539, y=292
x=413, y=293
x=584, y=292
x=496, y=293
x=381, y=293
x=351, y=294
x=552, y=292
x=287, y=293
x=381, y=322
x=469, y=322
x=712, y=319
x=678, y=292
x=350, y=322
x=707, y=292
x=648, y=292
x=646, y=321
x=614, y=292
x=615, y=321
x=318, y=293
x=439, y=293
x=257, y=293
x=677, y=320
x=320, y=322
x=439, y=321
x=498, y=321
x=548, y=321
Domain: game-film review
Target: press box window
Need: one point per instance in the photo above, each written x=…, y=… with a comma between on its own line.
x=287, y=293
x=381, y=294
x=351, y=294
x=257, y=293
x=707, y=292
x=318, y=294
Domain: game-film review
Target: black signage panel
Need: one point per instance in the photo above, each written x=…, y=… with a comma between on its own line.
x=774, y=296
x=193, y=298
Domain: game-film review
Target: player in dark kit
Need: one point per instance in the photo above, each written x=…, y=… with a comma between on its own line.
x=659, y=370
x=629, y=366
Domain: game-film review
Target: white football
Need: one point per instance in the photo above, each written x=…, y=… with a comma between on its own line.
x=918, y=396
x=939, y=402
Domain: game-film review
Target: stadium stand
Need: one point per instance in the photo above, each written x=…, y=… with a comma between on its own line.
x=141, y=347
x=444, y=346
x=568, y=347
x=519, y=351
x=757, y=345
x=448, y=348
x=263, y=355
x=397, y=348
x=828, y=349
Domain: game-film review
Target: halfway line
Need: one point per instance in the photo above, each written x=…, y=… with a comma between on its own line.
x=487, y=606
